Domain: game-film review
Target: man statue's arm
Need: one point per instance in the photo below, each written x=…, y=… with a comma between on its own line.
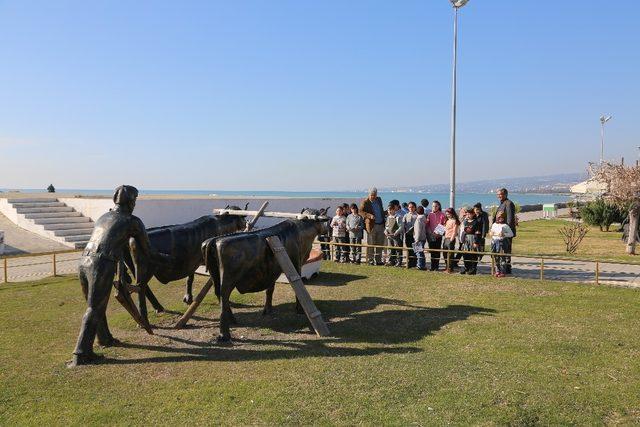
x=139, y=233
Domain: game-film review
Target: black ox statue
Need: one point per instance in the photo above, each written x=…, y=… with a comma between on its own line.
x=244, y=261
x=182, y=242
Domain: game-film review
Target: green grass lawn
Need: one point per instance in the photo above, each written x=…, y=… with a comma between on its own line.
x=407, y=347
x=542, y=237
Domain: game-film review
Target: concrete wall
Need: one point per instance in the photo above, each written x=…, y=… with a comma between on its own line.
x=165, y=211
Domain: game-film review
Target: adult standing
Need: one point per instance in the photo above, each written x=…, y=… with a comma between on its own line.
x=373, y=213
x=483, y=219
x=435, y=233
x=508, y=209
x=408, y=222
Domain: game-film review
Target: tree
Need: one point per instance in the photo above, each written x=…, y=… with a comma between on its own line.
x=601, y=213
x=623, y=190
x=51, y=188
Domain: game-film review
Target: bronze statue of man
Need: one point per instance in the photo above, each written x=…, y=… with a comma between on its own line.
x=98, y=265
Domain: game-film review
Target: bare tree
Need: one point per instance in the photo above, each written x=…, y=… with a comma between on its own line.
x=623, y=190
x=572, y=235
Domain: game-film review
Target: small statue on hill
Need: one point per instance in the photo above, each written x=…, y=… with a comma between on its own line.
x=51, y=188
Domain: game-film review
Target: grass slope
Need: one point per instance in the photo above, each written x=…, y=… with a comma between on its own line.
x=407, y=347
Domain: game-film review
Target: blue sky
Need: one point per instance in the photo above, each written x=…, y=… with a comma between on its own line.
x=301, y=95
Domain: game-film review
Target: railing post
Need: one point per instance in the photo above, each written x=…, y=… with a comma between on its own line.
x=541, y=268
x=6, y=274
x=55, y=272
x=493, y=266
x=597, y=272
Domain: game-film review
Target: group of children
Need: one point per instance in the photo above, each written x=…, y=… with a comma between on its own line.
x=419, y=229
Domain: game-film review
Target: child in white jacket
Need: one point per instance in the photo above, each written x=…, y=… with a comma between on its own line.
x=500, y=230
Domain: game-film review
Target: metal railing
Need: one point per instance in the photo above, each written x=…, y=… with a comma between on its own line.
x=54, y=260
x=481, y=254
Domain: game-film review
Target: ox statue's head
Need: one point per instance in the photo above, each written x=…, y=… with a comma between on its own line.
x=319, y=217
x=240, y=219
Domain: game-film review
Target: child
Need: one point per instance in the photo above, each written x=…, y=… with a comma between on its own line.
x=347, y=249
x=461, y=216
x=500, y=233
x=355, y=227
x=451, y=232
x=420, y=237
x=471, y=242
x=408, y=221
x=339, y=226
x=425, y=205
x=435, y=218
x=393, y=232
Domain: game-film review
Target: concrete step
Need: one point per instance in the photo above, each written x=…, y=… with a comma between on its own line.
x=32, y=200
x=73, y=232
x=78, y=238
x=69, y=226
x=44, y=210
x=52, y=215
x=74, y=219
x=50, y=204
x=81, y=245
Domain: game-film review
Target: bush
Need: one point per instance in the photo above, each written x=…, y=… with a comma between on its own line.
x=601, y=214
x=572, y=235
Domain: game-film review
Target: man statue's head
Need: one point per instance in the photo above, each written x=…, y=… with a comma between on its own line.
x=125, y=196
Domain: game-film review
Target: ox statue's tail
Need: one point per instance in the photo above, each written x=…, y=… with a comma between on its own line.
x=210, y=258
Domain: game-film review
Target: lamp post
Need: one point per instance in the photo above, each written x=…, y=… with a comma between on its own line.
x=603, y=119
x=457, y=4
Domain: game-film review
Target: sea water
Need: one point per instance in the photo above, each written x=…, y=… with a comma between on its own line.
x=487, y=199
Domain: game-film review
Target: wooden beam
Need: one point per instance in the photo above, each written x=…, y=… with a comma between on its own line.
x=255, y=219
x=194, y=305
x=313, y=314
x=269, y=214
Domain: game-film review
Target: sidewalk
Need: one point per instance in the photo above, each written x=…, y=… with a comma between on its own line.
x=18, y=240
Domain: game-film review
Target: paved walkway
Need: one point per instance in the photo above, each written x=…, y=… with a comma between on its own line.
x=530, y=216
x=18, y=240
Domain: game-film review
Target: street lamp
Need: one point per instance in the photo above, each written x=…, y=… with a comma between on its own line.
x=457, y=4
x=603, y=119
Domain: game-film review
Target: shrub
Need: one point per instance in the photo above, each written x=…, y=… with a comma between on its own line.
x=572, y=235
x=601, y=214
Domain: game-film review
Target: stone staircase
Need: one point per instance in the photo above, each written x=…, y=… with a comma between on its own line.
x=55, y=220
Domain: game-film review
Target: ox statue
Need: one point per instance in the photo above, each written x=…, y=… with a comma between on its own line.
x=244, y=261
x=182, y=242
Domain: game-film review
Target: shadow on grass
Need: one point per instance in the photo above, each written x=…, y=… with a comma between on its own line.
x=328, y=278
x=352, y=323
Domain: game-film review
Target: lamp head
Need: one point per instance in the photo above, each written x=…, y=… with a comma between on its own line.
x=604, y=119
x=458, y=3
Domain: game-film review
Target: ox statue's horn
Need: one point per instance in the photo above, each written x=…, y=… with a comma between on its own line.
x=302, y=211
x=226, y=207
x=246, y=206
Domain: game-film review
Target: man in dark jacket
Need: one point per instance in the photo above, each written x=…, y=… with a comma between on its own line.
x=485, y=225
x=508, y=209
x=374, y=215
